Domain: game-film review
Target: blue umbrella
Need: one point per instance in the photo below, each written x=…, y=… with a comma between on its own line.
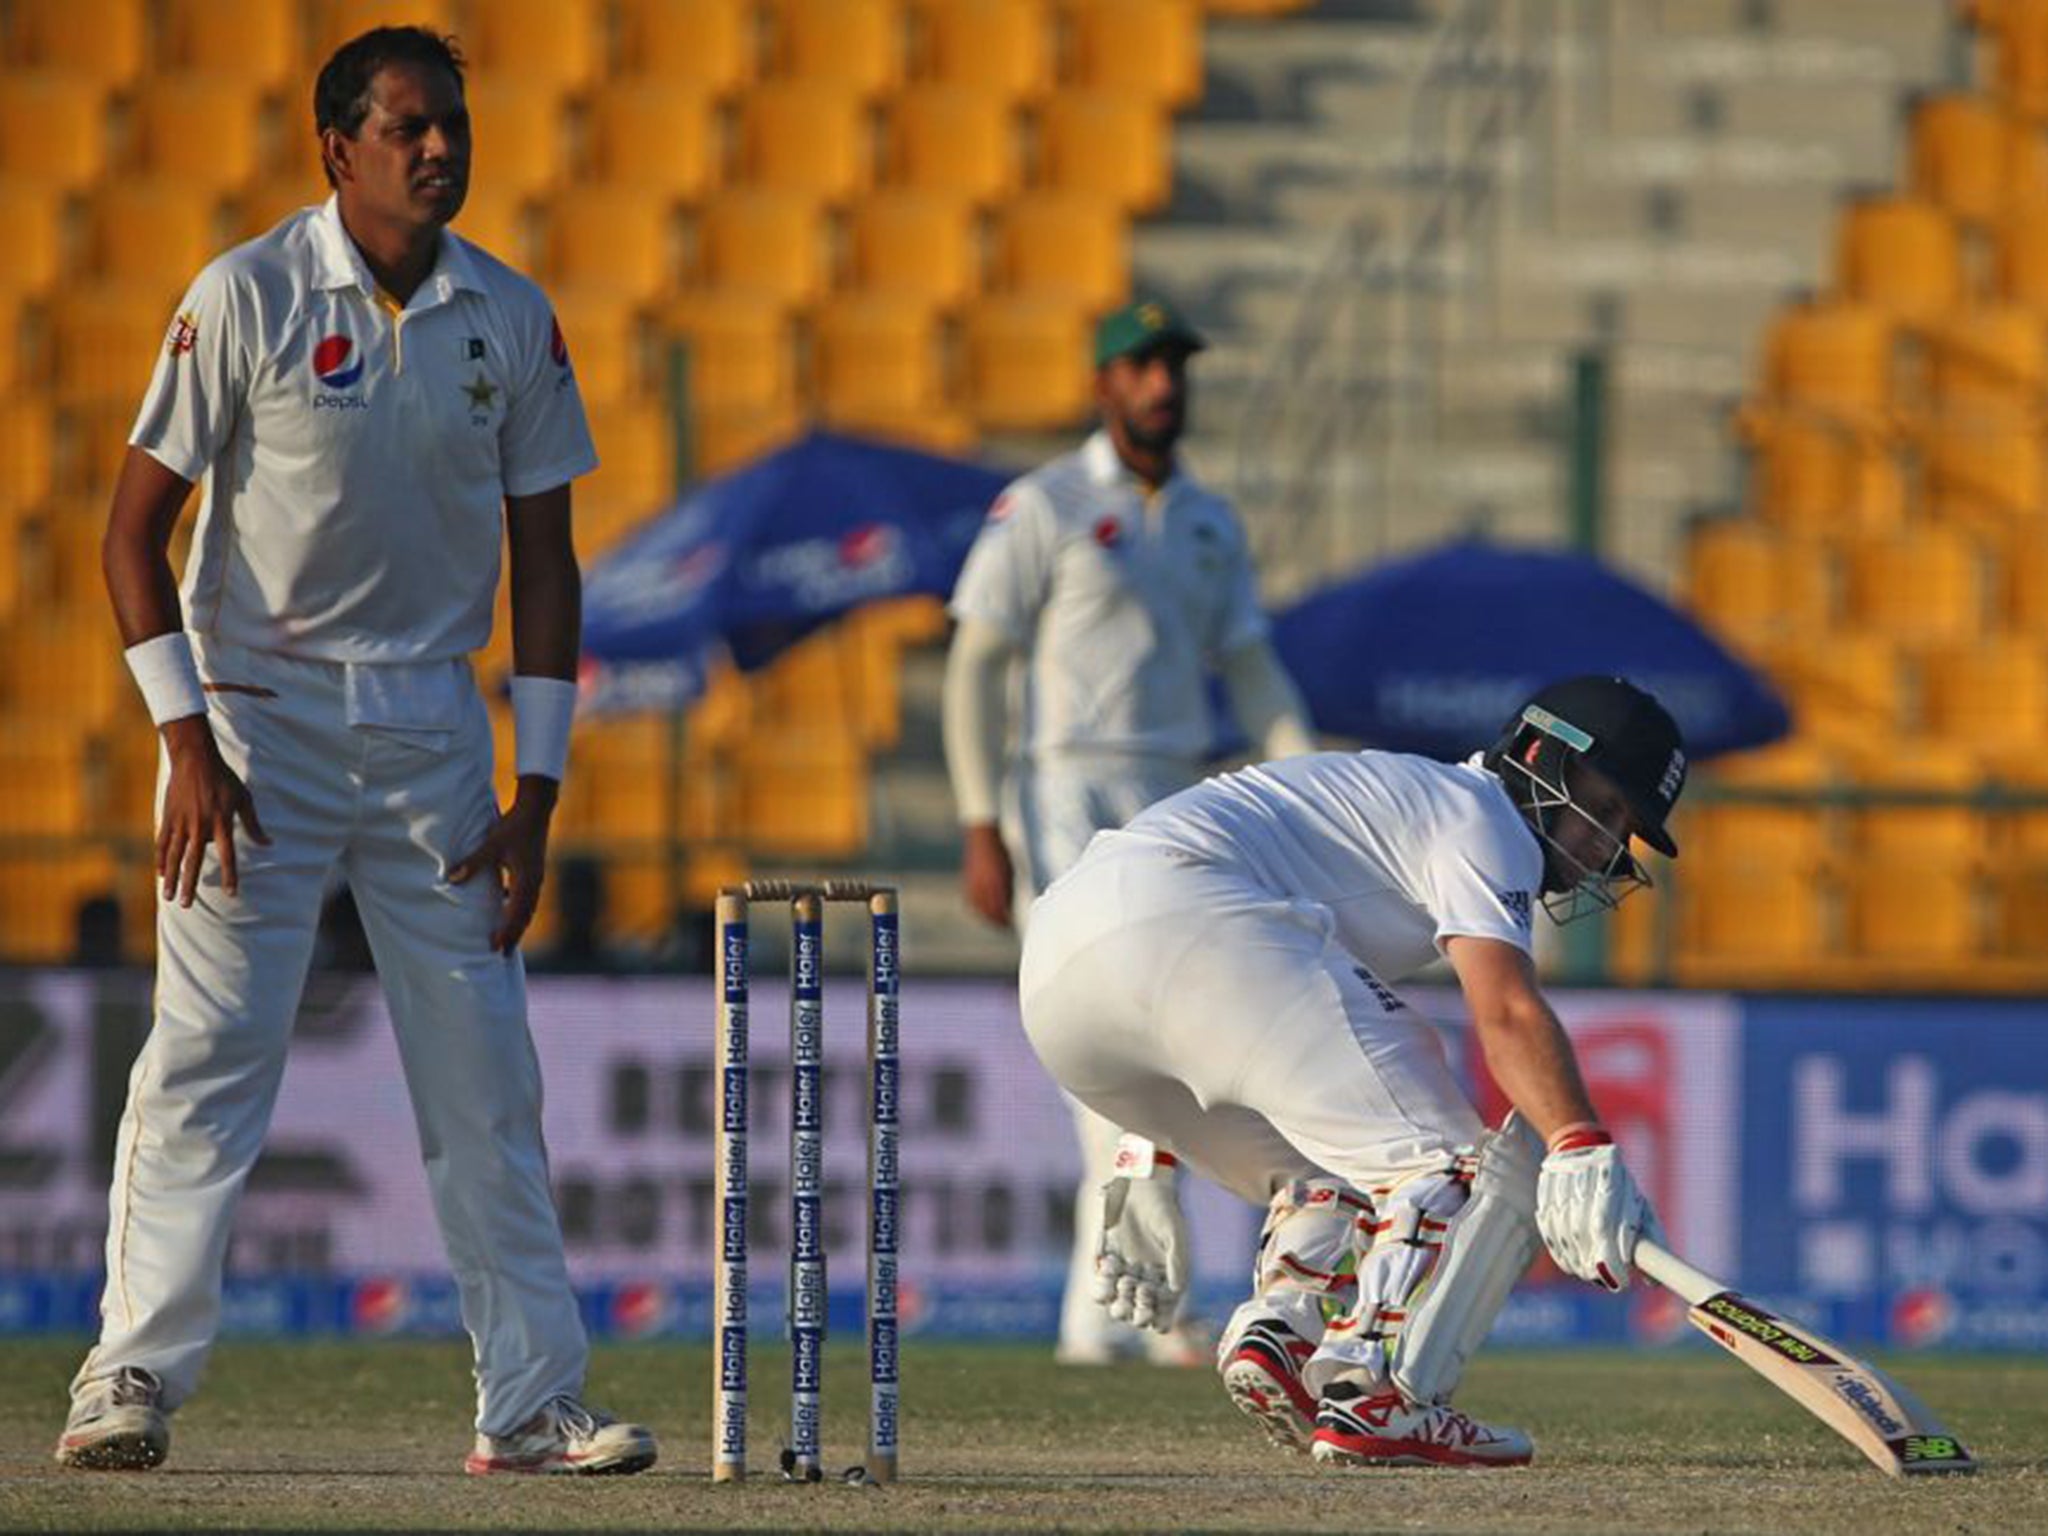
x=1434, y=652
x=750, y=562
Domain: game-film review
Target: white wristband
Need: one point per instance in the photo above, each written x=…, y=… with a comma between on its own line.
x=543, y=710
x=168, y=677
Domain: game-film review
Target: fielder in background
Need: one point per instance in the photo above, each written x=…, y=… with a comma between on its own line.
x=1121, y=583
x=1218, y=977
x=372, y=405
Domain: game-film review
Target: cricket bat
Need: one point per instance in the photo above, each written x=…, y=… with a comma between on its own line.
x=1852, y=1397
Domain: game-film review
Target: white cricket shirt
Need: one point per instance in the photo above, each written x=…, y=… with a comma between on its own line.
x=1122, y=602
x=355, y=460
x=1406, y=852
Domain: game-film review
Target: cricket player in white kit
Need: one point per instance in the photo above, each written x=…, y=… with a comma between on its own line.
x=1122, y=583
x=372, y=405
x=1218, y=977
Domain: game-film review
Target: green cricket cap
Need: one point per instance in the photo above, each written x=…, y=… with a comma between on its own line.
x=1140, y=326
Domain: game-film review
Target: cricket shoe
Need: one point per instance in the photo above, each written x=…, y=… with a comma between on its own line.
x=1263, y=1377
x=117, y=1424
x=565, y=1436
x=1357, y=1429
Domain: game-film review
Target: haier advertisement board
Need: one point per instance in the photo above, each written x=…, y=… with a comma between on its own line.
x=1879, y=1167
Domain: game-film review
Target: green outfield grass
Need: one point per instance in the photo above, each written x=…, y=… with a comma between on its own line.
x=371, y=1436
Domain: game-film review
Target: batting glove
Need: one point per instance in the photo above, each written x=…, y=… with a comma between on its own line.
x=1141, y=1269
x=1589, y=1209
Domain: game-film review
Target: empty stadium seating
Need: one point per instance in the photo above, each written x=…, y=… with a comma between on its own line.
x=894, y=216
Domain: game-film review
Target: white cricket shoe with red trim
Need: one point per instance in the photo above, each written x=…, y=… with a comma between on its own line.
x=1355, y=1429
x=565, y=1436
x=1263, y=1377
x=117, y=1424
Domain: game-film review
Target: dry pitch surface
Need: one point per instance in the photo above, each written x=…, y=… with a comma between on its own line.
x=371, y=1437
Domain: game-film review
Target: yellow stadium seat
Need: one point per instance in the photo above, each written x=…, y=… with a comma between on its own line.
x=2019, y=259
x=519, y=135
x=335, y=22
x=1982, y=435
x=636, y=444
x=44, y=773
x=2023, y=565
x=40, y=894
x=1913, y=917
x=28, y=453
x=64, y=665
x=1974, y=159
x=1813, y=474
x=1988, y=355
x=53, y=129
x=59, y=552
x=1027, y=363
x=1754, y=918
x=151, y=233
x=2019, y=891
x=1843, y=687
x=1920, y=805
x=613, y=235
x=1733, y=829
x=813, y=804
x=1990, y=695
x=802, y=137
x=1070, y=247
x=1822, y=425
x=856, y=45
x=920, y=244
x=560, y=42
x=662, y=136
x=261, y=207
x=741, y=351
x=104, y=340
x=260, y=42
x=1924, y=582
x=103, y=40
x=92, y=438
x=606, y=334
x=950, y=139
x=707, y=44
x=16, y=349
x=2016, y=35
x=206, y=132
x=1752, y=581
x=34, y=215
x=1076, y=126
x=1901, y=255
x=1830, y=355
x=725, y=437
x=1146, y=48
x=998, y=50
x=772, y=243
x=881, y=365
x=500, y=220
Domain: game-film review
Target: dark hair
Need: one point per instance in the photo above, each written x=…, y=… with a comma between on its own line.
x=341, y=95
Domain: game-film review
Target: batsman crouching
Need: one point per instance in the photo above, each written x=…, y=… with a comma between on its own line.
x=1217, y=977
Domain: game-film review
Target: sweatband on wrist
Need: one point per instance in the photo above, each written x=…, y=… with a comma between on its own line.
x=543, y=710
x=1137, y=1157
x=168, y=677
x=1578, y=1136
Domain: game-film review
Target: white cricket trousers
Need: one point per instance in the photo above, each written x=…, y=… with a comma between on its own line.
x=1186, y=1004
x=1058, y=803
x=391, y=810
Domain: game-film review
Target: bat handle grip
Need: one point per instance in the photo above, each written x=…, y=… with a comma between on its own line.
x=1690, y=1285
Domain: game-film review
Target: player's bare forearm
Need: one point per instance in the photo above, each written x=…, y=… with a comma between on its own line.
x=547, y=587
x=1525, y=1046
x=135, y=551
